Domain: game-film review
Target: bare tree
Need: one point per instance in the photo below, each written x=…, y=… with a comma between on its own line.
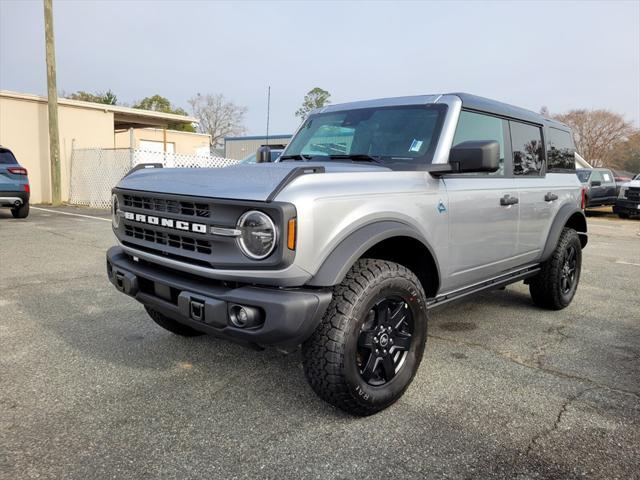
x=597, y=133
x=218, y=117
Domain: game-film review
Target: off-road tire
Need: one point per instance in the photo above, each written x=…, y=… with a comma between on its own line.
x=623, y=215
x=545, y=288
x=171, y=325
x=329, y=355
x=21, y=212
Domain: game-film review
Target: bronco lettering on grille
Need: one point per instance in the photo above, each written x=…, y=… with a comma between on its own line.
x=166, y=222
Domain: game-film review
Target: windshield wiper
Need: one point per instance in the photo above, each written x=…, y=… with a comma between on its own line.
x=358, y=157
x=297, y=156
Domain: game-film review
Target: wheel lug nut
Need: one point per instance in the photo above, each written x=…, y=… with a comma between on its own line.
x=375, y=339
x=384, y=352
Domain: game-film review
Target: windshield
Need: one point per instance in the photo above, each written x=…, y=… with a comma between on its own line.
x=583, y=175
x=402, y=137
x=637, y=177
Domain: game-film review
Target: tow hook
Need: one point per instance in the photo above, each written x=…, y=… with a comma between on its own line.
x=196, y=310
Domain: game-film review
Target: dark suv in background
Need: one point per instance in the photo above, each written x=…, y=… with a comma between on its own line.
x=600, y=184
x=14, y=184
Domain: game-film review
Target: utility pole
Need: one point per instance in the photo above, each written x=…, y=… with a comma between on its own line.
x=52, y=93
x=268, y=111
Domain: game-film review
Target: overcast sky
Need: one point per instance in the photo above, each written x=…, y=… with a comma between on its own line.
x=562, y=55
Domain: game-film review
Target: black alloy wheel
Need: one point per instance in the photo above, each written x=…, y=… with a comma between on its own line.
x=384, y=340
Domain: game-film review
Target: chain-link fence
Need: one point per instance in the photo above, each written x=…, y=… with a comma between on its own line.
x=95, y=171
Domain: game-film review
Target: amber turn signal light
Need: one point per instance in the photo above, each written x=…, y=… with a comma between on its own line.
x=291, y=234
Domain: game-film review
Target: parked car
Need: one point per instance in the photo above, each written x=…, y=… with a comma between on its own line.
x=14, y=184
x=600, y=185
x=620, y=177
x=345, y=253
x=275, y=153
x=628, y=201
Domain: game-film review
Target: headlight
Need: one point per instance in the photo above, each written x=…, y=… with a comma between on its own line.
x=623, y=190
x=258, y=234
x=115, y=211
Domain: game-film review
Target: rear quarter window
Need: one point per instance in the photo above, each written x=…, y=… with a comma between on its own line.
x=560, y=151
x=7, y=158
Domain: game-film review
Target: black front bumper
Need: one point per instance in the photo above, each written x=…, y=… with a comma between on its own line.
x=290, y=315
x=628, y=207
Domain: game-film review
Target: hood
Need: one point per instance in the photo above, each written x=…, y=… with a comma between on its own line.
x=632, y=183
x=240, y=182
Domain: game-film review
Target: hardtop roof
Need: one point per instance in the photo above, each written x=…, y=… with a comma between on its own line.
x=472, y=102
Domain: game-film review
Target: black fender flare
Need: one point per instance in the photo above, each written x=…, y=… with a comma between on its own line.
x=335, y=267
x=559, y=222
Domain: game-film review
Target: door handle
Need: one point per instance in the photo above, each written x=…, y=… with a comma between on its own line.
x=550, y=197
x=508, y=200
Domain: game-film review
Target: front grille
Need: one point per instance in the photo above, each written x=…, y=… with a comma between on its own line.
x=633, y=193
x=167, y=206
x=170, y=239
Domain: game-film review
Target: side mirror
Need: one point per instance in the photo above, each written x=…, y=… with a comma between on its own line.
x=475, y=156
x=263, y=154
x=596, y=183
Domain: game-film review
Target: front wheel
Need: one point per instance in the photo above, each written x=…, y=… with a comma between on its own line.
x=367, y=349
x=556, y=284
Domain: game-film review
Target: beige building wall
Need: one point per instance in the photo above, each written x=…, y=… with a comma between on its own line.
x=184, y=142
x=24, y=130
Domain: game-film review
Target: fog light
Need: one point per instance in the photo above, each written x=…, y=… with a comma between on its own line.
x=242, y=316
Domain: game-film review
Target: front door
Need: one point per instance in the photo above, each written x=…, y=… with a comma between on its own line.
x=483, y=209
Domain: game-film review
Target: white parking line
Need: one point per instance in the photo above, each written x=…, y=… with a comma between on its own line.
x=71, y=214
x=628, y=263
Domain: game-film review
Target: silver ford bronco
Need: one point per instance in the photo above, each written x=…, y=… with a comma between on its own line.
x=375, y=213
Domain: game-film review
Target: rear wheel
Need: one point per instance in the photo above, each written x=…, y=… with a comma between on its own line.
x=367, y=349
x=557, y=282
x=171, y=325
x=21, y=212
x=623, y=215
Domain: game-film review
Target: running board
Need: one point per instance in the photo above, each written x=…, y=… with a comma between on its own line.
x=492, y=283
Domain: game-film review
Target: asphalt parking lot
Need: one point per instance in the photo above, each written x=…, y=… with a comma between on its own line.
x=91, y=388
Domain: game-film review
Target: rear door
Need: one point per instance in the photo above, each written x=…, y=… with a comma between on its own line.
x=9, y=182
x=483, y=227
x=596, y=189
x=538, y=199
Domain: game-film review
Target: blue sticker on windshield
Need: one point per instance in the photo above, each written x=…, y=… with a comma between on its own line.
x=415, y=145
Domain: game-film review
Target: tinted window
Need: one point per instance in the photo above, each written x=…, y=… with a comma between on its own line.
x=476, y=126
x=526, y=143
x=596, y=176
x=560, y=150
x=7, y=158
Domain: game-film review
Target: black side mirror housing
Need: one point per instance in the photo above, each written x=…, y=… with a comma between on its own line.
x=475, y=156
x=471, y=156
x=263, y=154
x=596, y=183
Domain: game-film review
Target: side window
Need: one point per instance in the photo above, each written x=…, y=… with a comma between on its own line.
x=526, y=142
x=476, y=126
x=596, y=176
x=560, y=151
